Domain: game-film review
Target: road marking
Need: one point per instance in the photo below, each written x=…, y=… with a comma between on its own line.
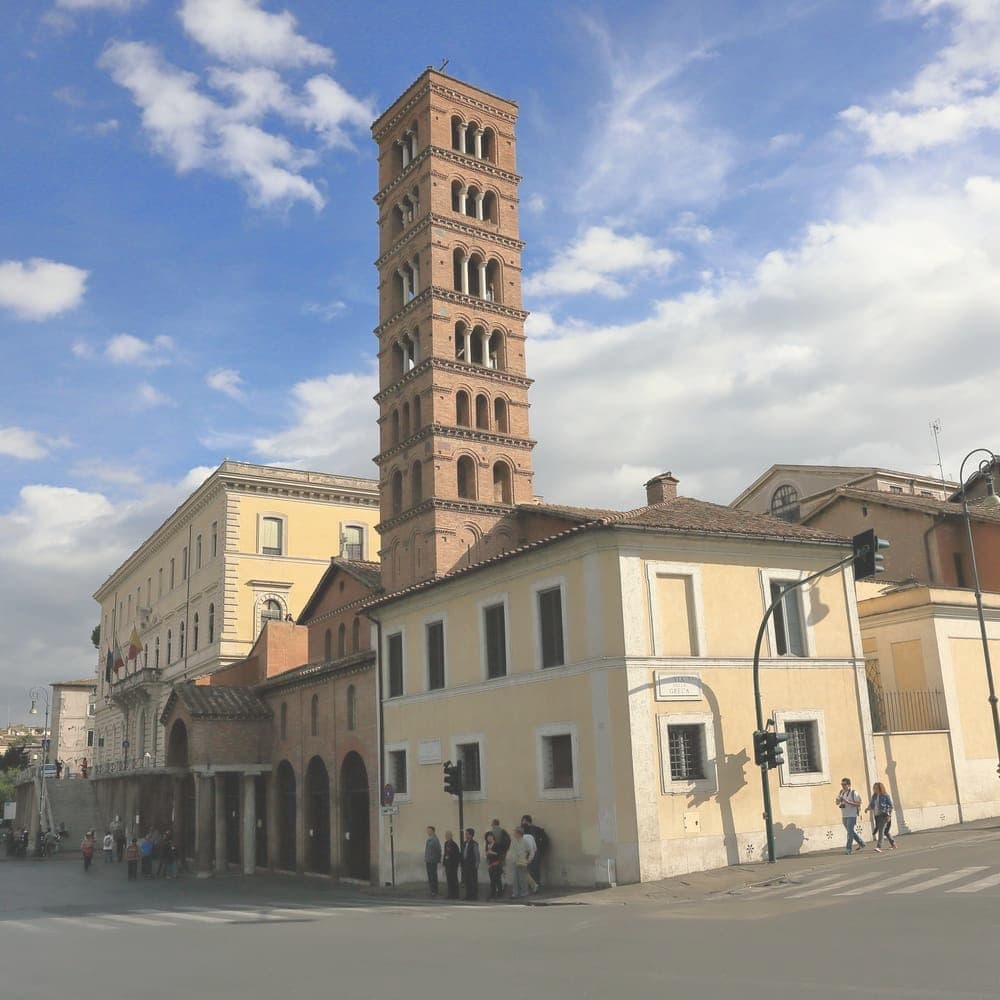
x=201, y=917
x=304, y=911
x=826, y=888
x=231, y=915
x=895, y=880
x=983, y=883
x=77, y=922
x=933, y=883
x=132, y=918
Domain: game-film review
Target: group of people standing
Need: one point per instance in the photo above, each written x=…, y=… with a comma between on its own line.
x=511, y=861
x=879, y=805
x=154, y=848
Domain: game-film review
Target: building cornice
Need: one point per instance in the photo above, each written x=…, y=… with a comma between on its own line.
x=457, y=433
x=460, y=367
x=452, y=155
x=436, y=292
x=466, y=227
x=437, y=503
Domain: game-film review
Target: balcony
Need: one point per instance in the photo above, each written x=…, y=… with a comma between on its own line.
x=133, y=686
x=907, y=711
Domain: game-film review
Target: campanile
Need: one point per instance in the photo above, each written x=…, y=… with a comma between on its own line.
x=454, y=449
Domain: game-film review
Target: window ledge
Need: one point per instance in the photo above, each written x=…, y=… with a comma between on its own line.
x=560, y=793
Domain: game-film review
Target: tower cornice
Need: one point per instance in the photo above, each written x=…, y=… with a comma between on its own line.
x=459, y=434
x=491, y=374
x=485, y=166
x=437, y=503
x=445, y=222
x=436, y=292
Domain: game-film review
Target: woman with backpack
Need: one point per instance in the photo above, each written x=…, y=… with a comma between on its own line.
x=880, y=807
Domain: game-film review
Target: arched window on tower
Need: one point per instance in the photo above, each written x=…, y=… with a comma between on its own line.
x=397, y=492
x=473, y=139
x=463, y=338
x=417, y=417
x=461, y=267
x=501, y=483
x=490, y=208
x=478, y=276
x=327, y=645
x=416, y=484
x=492, y=291
x=477, y=349
x=474, y=203
x=462, y=417
x=457, y=134
x=498, y=358
x=500, y=423
x=356, y=634
x=342, y=640
x=394, y=425
x=466, y=478
x=482, y=413
x=489, y=145
x=398, y=360
x=408, y=346
x=406, y=420
x=459, y=197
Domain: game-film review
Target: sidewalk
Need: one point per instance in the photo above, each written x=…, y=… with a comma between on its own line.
x=702, y=885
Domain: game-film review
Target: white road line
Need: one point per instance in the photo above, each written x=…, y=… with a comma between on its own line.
x=292, y=911
x=24, y=925
x=895, y=880
x=983, y=883
x=933, y=883
x=134, y=918
x=827, y=888
x=200, y=917
x=88, y=922
x=231, y=915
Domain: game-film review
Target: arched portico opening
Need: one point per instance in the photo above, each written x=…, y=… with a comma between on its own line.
x=177, y=745
x=317, y=817
x=285, y=778
x=354, y=816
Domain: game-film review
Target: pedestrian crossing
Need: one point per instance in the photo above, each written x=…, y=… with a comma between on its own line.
x=882, y=882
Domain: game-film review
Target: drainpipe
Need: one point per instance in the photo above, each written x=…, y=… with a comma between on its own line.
x=381, y=728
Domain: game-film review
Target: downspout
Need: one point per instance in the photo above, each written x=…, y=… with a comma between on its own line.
x=381, y=726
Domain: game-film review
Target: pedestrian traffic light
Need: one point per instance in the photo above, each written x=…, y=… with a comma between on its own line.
x=759, y=748
x=775, y=752
x=453, y=778
x=868, y=558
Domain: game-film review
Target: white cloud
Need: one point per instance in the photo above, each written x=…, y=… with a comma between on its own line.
x=783, y=141
x=601, y=261
x=196, y=131
x=325, y=310
x=20, y=443
x=539, y=324
x=854, y=337
x=954, y=96
x=147, y=397
x=227, y=381
x=38, y=289
x=239, y=32
x=334, y=427
x=124, y=349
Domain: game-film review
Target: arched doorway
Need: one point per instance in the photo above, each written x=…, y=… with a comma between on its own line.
x=317, y=816
x=354, y=813
x=286, y=816
x=177, y=745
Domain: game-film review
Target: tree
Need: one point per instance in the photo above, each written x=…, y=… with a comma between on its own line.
x=15, y=758
x=95, y=636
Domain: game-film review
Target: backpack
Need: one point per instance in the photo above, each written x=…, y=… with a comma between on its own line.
x=541, y=839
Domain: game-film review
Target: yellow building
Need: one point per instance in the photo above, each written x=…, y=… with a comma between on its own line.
x=249, y=545
x=600, y=680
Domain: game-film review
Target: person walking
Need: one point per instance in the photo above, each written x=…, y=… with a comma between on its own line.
x=502, y=838
x=146, y=854
x=880, y=807
x=494, y=864
x=538, y=839
x=120, y=840
x=520, y=856
x=109, y=847
x=452, y=859
x=470, y=865
x=432, y=858
x=87, y=847
x=849, y=803
x=132, y=853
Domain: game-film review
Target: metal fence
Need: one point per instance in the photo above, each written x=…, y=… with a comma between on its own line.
x=907, y=711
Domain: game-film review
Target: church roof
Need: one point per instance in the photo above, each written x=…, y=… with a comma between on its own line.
x=217, y=702
x=369, y=574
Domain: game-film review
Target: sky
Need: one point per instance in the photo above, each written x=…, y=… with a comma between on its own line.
x=757, y=232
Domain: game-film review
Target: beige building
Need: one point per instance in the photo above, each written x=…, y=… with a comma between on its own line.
x=74, y=708
x=248, y=546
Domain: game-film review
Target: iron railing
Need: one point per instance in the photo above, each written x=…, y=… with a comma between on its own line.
x=907, y=711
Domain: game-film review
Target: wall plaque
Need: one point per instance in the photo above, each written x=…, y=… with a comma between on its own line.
x=677, y=687
x=429, y=751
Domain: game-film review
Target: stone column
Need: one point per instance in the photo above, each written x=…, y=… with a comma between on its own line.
x=405, y=278
x=415, y=265
x=178, y=819
x=406, y=150
x=249, y=845
x=479, y=206
x=465, y=274
x=485, y=338
x=467, y=336
x=203, y=825
x=462, y=127
x=482, y=279
x=477, y=138
x=220, y=824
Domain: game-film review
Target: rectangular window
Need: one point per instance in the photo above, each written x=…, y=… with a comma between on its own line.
x=397, y=771
x=197, y=552
x=895, y=489
x=435, y=656
x=789, y=634
x=468, y=757
x=557, y=761
x=395, y=643
x=495, y=640
x=159, y=582
x=184, y=563
x=803, y=747
x=685, y=745
x=90, y=737
x=270, y=536
x=353, y=542
x=551, y=625
x=91, y=709
x=215, y=539
x=149, y=591
x=171, y=574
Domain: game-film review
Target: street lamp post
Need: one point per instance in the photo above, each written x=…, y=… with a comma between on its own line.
x=986, y=466
x=38, y=694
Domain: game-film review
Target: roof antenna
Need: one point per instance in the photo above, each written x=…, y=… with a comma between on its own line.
x=936, y=430
x=444, y=62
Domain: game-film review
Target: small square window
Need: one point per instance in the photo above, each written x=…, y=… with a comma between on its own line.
x=468, y=757
x=803, y=748
x=686, y=748
x=895, y=489
x=395, y=665
x=397, y=771
x=557, y=761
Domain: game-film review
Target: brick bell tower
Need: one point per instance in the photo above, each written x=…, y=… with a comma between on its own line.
x=454, y=452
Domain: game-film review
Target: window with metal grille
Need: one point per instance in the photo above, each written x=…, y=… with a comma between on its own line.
x=685, y=747
x=435, y=655
x=785, y=503
x=550, y=625
x=802, y=747
x=496, y=641
x=395, y=665
x=789, y=634
x=353, y=540
x=397, y=770
x=468, y=757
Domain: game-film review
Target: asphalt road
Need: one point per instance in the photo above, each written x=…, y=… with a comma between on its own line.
x=917, y=924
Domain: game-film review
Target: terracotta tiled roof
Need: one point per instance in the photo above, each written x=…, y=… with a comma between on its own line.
x=205, y=701
x=922, y=505
x=369, y=573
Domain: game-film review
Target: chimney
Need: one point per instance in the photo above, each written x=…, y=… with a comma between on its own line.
x=661, y=488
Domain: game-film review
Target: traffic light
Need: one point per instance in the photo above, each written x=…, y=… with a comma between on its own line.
x=868, y=558
x=760, y=748
x=775, y=751
x=453, y=778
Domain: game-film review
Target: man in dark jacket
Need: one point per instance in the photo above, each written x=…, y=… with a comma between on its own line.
x=470, y=865
x=541, y=839
x=432, y=858
x=452, y=858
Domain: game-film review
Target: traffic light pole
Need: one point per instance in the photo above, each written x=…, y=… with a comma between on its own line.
x=765, y=784
x=461, y=803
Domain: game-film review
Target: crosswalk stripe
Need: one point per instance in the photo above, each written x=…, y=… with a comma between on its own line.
x=294, y=911
x=894, y=880
x=827, y=888
x=977, y=886
x=132, y=918
x=201, y=917
x=74, y=922
x=933, y=883
x=233, y=914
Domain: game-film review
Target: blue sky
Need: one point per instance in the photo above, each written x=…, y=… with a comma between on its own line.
x=756, y=232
